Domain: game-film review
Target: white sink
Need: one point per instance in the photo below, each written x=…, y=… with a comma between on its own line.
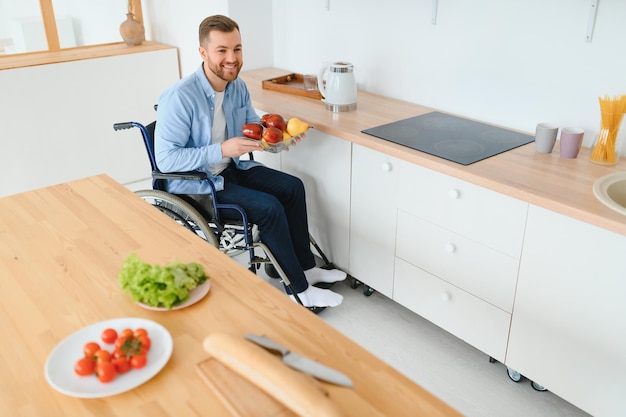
x=611, y=191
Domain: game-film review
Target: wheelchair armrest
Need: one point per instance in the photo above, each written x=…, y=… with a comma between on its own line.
x=188, y=175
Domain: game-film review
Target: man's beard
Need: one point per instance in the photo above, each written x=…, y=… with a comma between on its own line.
x=219, y=72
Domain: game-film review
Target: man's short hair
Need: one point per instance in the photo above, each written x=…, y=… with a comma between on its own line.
x=216, y=22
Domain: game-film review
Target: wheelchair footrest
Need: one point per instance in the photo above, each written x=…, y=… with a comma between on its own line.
x=259, y=260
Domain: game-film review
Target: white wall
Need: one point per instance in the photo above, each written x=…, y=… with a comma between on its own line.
x=509, y=62
x=175, y=23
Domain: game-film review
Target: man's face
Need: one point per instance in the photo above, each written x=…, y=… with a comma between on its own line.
x=222, y=57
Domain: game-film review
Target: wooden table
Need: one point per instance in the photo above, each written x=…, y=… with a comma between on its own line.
x=61, y=249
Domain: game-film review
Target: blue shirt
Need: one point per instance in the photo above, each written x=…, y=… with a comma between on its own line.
x=182, y=138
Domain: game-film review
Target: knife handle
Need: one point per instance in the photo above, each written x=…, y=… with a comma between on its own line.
x=267, y=343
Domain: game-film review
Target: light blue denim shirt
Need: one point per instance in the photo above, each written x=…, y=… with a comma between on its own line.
x=182, y=138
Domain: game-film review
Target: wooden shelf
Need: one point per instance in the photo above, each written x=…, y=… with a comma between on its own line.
x=76, y=54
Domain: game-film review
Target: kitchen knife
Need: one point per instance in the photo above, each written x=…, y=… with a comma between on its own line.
x=302, y=364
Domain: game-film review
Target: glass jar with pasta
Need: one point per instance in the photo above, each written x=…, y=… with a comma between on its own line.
x=607, y=146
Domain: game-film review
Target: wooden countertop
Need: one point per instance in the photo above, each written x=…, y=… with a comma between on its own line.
x=61, y=249
x=546, y=180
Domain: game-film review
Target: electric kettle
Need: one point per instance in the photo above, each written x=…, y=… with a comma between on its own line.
x=337, y=85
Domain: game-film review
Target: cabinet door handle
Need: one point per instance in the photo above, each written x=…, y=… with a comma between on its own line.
x=450, y=247
x=445, y=296
x=454, y=193
x=386, y=167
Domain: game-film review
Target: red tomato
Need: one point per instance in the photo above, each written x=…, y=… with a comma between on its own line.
x=122, y=365
x=140, y=332
x=90, y=349
x=121, y=341
x=126, y=333
x=105, y=371
x=145, y=343
x=84, y=366
x=119, y=353
x=138, y=361
x=102, y=356
x=108, y=336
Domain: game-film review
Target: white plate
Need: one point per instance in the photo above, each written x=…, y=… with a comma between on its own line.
x=59, y=368
x=195, y=295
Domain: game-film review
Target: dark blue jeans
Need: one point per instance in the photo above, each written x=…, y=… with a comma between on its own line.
x=275, y=201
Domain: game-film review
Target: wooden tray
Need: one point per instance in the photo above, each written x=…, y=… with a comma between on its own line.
x=290, y=84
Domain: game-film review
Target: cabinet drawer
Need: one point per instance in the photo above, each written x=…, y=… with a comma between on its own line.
x=485, y=216
x=475, y=268
x=467, y=317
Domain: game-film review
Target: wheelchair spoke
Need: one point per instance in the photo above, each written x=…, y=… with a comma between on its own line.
x=181, y=212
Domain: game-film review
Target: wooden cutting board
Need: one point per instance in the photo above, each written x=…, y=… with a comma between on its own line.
x=252, y=382
x=240, y=396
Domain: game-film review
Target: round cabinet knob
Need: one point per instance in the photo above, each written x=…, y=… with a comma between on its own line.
x=386, y=167
x=445, y=296
x=450, y=247
x=454, y=193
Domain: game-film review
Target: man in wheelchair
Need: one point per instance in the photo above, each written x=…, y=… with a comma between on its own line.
x=199, y=122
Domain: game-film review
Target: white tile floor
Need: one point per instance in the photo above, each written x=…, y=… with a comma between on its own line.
x=445, y=365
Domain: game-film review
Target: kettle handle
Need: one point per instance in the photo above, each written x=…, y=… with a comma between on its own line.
x=320, y=80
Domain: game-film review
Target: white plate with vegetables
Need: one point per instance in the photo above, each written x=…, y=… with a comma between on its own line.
x=195, y=295
x=59, y=368
x=163, y=288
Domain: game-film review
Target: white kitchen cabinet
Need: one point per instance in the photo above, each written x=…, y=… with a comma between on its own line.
x=568, y=331
x=493, y=219
x=484, y=272
x=373, y=218
x=57, y=119
x=466, y=316
x=322, y=162
x=457, y=249
x=442, y=247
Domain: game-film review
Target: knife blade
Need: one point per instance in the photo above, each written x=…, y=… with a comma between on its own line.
x=301, y=363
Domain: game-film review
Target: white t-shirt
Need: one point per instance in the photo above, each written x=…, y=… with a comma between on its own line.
x=218, y=132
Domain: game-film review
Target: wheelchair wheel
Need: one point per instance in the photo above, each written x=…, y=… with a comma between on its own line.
x=181, y=212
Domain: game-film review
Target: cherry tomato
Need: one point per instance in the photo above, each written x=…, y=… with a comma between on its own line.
x=122, y=341
x=122, y=365
x=126, y=333
x=140, y=332
x=138, y=361
x=102, y=356
x=90, y=349
x=108, y=336
x=144, y=342
x=105, y=371
x=119, y=353
x=84, y=366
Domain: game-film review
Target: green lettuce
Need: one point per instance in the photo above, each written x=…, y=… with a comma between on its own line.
x=160, y=286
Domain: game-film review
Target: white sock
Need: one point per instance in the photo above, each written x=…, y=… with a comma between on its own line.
x=318, y=297
x=316, y=275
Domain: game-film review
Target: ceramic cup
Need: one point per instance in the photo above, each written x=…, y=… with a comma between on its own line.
x=545, y=137
x=570, y=142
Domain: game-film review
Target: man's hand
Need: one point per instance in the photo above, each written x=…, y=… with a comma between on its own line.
x=297, y=139
x=238, y=146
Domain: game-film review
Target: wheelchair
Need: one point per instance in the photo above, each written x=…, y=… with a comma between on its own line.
x=200, y=214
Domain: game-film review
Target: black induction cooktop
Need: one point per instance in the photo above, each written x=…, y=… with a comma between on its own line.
x=449, y=137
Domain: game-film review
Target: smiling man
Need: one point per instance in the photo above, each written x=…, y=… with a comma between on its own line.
x=199, y=123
